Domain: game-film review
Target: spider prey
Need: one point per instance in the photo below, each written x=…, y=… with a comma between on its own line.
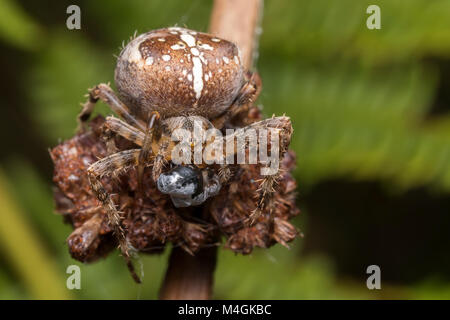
x=168, y=79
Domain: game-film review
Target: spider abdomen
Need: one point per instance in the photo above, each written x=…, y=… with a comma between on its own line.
x=177, y=71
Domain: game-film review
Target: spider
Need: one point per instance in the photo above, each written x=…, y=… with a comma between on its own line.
x=170, y=79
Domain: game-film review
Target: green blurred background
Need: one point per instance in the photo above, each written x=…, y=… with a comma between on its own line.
x=370, y=110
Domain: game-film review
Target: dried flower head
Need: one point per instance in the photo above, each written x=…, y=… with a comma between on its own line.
x=150, y=220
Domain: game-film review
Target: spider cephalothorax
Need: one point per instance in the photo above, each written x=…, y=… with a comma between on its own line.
x=170, y=80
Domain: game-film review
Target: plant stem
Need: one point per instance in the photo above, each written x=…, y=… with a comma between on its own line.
x=191, y=277
x=238, y=21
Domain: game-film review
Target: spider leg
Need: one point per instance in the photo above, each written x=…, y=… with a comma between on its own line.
x=107, y=95
x=113, y=127
x=108, y=166
x=125, y=130
x=134, y=135
x=159, y=162
x=265, y=197
x=225, y=173
x=246, y=96
x=282, y=124
x=268, y=185
x=108, y=137
x=146, y=148
x=280, y=129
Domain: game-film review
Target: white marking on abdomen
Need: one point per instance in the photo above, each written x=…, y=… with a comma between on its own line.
x=177, y=46
x=206, y=46
x=195, y=51
x=149, y=61
x=190, y=40
x=197, y=71
x=131, y=52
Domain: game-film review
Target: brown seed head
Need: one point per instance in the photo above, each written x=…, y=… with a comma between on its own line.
x=151, y=221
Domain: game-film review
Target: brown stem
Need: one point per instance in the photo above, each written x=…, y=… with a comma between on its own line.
x=238, y=21
x=191, y=277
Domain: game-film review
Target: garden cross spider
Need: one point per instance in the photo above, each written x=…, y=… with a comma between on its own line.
x=168, y=79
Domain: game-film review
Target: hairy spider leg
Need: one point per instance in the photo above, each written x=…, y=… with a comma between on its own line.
x=125, y=130
x=107, y=95
x=110, y=166
x=108, y=137
x=268, y=185
x=146, y=148
x=160, y=161
x=134, y=135
x=225, y=173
